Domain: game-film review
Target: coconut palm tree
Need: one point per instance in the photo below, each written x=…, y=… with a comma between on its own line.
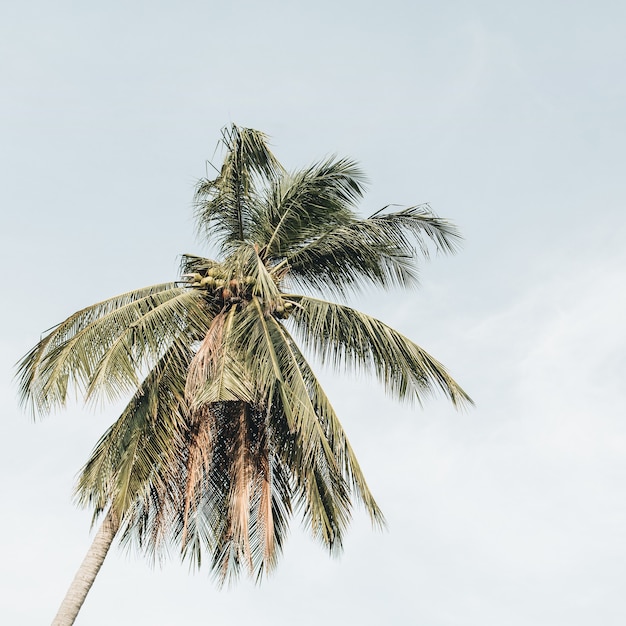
x=228, y=430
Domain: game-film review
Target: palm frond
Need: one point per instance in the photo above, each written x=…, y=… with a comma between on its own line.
x=297, y=206
x=340, y=335
x=381, y=250
x=225, y=204
x=29, y=367
x=342, y=449
x=191, y=263
x=105, y=347
x=323, y=491
x=425, y=227
x=127, y=459
x=215, y=373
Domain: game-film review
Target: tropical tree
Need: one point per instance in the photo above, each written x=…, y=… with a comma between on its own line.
x=228, y=430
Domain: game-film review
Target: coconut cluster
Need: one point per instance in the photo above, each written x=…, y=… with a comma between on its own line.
x=224, y=287
x=231, y=290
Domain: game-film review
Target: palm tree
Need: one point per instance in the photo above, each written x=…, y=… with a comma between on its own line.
x=228, y=430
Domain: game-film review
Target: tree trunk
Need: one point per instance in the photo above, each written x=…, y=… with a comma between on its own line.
x=87, y=572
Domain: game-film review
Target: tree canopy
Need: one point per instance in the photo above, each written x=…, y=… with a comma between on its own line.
x=228, y=431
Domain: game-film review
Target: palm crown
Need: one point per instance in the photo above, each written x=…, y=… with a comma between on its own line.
x=228, y=429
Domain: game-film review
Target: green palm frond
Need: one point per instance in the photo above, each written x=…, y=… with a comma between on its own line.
x=191, y=263
x=424, y=226
x=30, y=366
x=269, y=354
x=340, y=335
x=349, y=258
x=297, y=205
x=127, y=459
x=380, y=250
x=319, y=440
x=224, y=205
x=104, y=348
x=342, y=449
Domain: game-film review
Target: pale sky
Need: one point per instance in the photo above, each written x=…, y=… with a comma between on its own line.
x=509, y=118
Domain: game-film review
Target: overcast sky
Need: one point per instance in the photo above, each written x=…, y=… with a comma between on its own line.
x=508, y=118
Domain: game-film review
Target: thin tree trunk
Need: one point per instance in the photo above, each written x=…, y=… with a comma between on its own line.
x=87, y=572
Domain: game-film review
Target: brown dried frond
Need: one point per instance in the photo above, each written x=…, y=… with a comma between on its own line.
x=199, y=457
x=242, y=474
x=206, y=360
